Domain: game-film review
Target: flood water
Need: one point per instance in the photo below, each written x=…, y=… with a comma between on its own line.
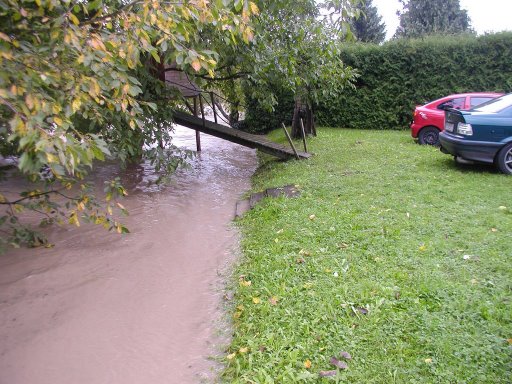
x=139, y=308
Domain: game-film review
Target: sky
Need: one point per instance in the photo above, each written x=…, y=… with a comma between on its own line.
x=486, y=15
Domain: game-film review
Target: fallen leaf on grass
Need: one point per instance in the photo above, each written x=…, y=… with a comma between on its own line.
x=231, y=356
x=304, y=252
x=327, y=373
x=273, y=300
x=307, y=364
x=300, y=260
x=256, y=300
x=361, y=310
x=245, y=283
x=428, y=361
x=345, y=355
x=337, y=363
x=243, y=350
x=494, y=230
x=342, y=245
x=312, y=217
x=422, y=248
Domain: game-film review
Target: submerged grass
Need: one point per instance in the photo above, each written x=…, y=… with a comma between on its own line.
x=392, y=253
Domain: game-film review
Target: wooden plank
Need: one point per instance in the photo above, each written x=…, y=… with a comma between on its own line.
x=236, y=136
x=291, y=142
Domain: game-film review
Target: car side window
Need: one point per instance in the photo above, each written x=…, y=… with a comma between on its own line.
x=479, y=100
x=457, y=103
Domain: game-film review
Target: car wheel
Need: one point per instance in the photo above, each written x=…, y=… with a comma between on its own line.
x=504, y=159
x=429, y=136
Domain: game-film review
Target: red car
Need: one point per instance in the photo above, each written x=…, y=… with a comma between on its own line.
x=429, y=118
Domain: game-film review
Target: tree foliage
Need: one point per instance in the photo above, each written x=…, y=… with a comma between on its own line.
x=82, y=82
x=427, y=17
x=368, y=27
x=296, y=51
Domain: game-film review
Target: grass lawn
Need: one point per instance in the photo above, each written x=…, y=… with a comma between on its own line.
x=392, y=253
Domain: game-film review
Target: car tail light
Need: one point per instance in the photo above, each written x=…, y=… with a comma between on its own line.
x=465, y=129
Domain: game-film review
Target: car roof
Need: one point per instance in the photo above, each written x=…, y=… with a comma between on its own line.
x=455, y=95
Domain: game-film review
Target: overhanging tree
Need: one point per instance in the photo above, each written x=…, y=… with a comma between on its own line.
x=81, y=82
x=427, y=17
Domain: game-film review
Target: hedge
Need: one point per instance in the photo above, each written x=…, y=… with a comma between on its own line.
x=400, y=74
x=396, y=76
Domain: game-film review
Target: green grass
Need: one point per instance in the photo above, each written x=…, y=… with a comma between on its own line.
x=424, y=245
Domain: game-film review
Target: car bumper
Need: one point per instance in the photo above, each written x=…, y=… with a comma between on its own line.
x=415, y=128
x=482, y=151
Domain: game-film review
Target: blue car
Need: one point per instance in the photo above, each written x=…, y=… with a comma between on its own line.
x=481, y=134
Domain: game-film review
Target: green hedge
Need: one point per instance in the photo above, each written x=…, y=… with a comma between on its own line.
x=258, y=119
x=400, y=74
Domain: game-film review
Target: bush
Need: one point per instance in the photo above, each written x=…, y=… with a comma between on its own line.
x=403, y=73
x=259, y=119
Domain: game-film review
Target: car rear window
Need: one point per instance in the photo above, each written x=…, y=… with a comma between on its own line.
x=479, y=100
x=495, y=105
x=457, y=103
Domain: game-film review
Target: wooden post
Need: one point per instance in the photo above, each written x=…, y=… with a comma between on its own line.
x=213, y=107
x=291, y=142
x=303, y=135
x=198, y=137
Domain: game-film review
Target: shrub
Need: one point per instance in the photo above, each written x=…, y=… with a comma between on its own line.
x=400, y=74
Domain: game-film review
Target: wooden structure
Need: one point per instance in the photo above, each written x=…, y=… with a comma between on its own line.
x=178, y=79
x=236, y=136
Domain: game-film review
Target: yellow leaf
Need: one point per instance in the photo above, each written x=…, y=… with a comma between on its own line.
x=4, y=37
x=243, y=350
x=57, y=120
x=422, y=248
x=231, y=356
x=245, y=283
x=73, y=219
x=75, y=105
x=307, y=364
x=73, y=19
x=428, y=361
x=29, y=101
x=254, y=8
x=256, y=300
x=196, y=64
x=312, y=217
x=248, y=34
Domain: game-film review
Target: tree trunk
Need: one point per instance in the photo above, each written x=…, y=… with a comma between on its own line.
x=305, y=112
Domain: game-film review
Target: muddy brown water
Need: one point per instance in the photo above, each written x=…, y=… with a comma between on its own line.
x=139, y=308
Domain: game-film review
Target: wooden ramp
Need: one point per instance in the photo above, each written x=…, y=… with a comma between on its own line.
x=236, y=136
